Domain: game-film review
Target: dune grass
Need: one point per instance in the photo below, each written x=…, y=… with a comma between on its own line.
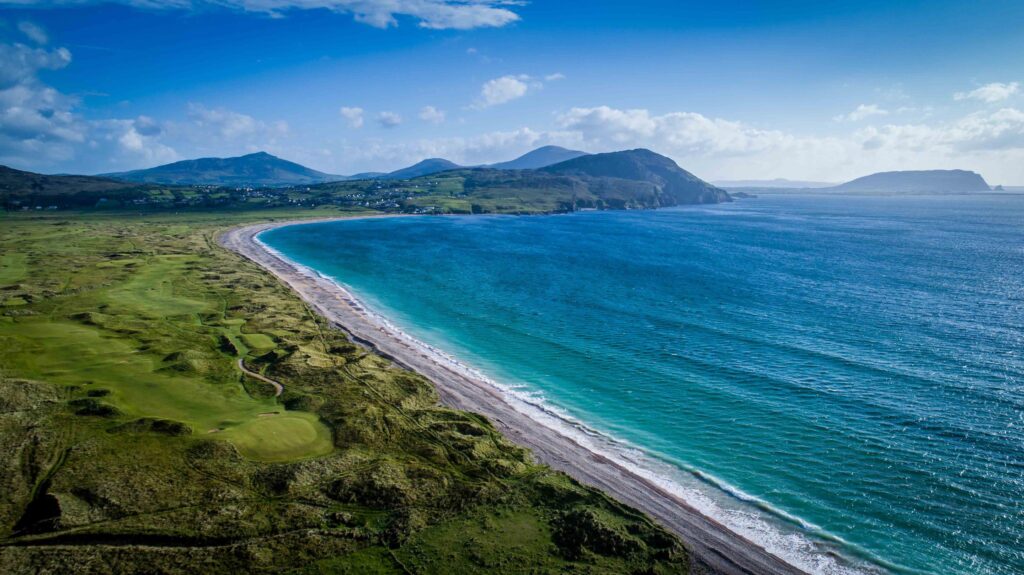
x=131, y=442
x=144, y=330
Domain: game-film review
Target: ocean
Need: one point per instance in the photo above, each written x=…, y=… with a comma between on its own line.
x=839, y=378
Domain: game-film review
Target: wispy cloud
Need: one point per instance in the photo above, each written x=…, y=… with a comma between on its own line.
x=432, y=115
x=861, y=112
x=33, y=32
x=433, y=14
x=233, y=125
x=352, y=115
x=389, y=119
x=990, y=93
x=989, y=141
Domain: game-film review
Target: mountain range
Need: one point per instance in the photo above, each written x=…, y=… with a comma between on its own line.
x=626, y=179
x=265, y=170
x=630, y=179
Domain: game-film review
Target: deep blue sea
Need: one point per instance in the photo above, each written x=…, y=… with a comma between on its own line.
x=826, y=374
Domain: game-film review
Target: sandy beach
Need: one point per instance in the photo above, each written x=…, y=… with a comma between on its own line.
x=713, y=547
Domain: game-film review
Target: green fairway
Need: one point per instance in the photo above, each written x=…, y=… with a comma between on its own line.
x=135, y=321
x=155, y=290
x=139, y=386
x=12, y=268
x=258, y=341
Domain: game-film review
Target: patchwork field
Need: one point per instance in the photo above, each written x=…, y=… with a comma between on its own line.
x=131, y=439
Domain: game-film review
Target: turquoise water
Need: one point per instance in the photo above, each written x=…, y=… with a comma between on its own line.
x=840, y=373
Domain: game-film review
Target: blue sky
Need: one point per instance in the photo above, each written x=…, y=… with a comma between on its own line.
x=819, y=90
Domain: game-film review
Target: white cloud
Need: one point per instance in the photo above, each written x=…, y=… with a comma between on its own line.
x=502, y=90
x=990, y=93
x=33, y=32
x=1000, y=131
x=433, y=14
x=20, y=63
x=861, y=112
x=230, y=125
x=137, y=141
x=389, y=119
x=990, y=142
x=42, y=129
x=37, y=122
x=432, y=115
x=684, y=132
x=39, y=114
x=511, y=87
x=354, y=116
x=381, y=154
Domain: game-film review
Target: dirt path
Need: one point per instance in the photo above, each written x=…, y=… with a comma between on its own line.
x=278, y=388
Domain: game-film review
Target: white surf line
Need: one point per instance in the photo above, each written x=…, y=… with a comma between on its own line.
x=723, y=539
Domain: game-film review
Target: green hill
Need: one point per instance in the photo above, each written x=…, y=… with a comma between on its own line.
x=20, y=189
x=424, y=168
x=539, y=158
x=674, y=185
x=259, y=169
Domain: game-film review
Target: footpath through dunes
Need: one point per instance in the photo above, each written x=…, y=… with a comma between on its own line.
x=713, y=547
x=278, y=387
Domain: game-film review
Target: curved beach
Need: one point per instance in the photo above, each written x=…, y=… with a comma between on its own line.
x=714, y=548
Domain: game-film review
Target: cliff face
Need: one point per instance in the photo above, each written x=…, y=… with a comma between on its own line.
x=918, y=181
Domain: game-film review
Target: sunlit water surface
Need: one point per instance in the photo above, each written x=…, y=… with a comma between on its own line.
x=850, y=369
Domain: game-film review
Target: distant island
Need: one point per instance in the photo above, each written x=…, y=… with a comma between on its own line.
x=896, y=182
x=917, y=181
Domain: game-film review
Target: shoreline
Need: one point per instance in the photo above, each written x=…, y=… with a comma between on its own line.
x=713, y=547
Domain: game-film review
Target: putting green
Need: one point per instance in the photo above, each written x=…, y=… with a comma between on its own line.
x=281, y=437
x=258, y=341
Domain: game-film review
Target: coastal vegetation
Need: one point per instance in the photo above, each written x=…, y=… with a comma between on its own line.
x=134, y=441
x=632, y=179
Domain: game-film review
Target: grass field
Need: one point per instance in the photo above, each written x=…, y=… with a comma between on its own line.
x=131, y=441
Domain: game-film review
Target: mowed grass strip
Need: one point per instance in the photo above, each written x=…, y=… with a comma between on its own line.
x=72, y=354
x=153, y=290
x=12, y=268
